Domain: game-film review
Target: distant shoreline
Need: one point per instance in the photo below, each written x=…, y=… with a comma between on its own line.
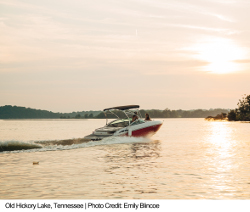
x=9, y=112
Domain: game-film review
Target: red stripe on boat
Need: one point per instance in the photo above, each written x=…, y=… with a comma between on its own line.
x=148, y=131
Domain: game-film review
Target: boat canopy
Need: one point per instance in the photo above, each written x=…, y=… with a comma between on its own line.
x=126, y=107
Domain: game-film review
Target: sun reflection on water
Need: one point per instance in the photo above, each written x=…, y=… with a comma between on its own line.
x=220, y=158
x=221, y=137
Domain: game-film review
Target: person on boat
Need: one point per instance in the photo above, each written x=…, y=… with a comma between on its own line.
x=147, y=118
x=134, y=118
x=136, y=114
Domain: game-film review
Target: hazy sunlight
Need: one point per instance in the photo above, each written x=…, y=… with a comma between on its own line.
x=221, y=54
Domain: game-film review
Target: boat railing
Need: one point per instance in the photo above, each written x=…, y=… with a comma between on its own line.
x=126, y=112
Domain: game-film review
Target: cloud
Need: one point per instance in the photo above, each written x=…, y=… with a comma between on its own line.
x=198, y=27
x=221, y=17
x=242, y=61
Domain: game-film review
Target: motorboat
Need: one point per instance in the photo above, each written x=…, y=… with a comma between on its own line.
x=125, y=126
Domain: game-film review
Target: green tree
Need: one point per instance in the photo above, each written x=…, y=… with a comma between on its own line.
x=231, y=115
x=244, y=108
x=78, y=116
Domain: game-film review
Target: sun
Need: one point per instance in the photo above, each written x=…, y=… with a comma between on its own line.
x=220, y=54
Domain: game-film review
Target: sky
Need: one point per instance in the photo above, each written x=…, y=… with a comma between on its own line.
x=75, y=55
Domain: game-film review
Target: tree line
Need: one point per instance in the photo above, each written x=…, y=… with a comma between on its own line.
x=167, y=113
x=16, y=112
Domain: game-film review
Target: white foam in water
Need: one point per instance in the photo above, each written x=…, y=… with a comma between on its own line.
x=14, y=145
x=106, y=141
x=117, y=140
x=19, y=143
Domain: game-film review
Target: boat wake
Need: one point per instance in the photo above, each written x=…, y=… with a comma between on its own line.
x=41, y=146
x=17, y=145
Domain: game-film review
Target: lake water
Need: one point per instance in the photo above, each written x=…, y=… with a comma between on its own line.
x=185, y=159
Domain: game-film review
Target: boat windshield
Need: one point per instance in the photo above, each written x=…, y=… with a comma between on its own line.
x=119, y=123
x=124, y=122
x=138, y=121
